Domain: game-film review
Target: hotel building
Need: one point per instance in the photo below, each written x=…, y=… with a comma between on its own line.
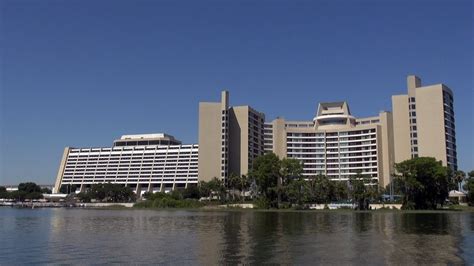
x=424, y=120
x=149, y=162
x=334, y=143
x=230, y=138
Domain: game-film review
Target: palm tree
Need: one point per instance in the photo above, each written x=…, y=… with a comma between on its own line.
x=233, y=183
x=458, y=177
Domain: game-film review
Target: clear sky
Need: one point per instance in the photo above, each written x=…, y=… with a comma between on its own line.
x=82, y=73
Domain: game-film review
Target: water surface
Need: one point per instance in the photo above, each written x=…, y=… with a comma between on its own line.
x=78, y=236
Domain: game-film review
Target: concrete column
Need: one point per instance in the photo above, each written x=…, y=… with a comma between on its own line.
x=138, y=189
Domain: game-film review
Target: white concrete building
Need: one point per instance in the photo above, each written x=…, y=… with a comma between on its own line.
x=133, y=162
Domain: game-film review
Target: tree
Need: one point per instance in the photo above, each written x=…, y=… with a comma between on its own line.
x=28, y=190
x=108, y=192
x=457, y=177
x=84, y=197
x=363, y=190
x=176, y=194
x=266, y=171
x=245, y=184
x=341, y=191
x=212, y=187
x=469, y=187
x=298, y=191
x=191, y=192
x=322, y=190
x=425, y=182
x=46, y=190
x=216, y=185
x=18, y=195
x=204, y=189
x=238, y=183
x=4, y=193
x=234, y=183
x=396, y=185
x=290, y=170
x=29, y=187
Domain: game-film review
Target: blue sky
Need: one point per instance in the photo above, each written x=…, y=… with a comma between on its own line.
x=82, y=73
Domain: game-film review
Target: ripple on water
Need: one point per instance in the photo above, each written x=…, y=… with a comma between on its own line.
x=79, y=236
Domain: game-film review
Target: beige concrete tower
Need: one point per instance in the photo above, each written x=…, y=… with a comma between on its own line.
x=424, y=123
x=245, y=138
x=275, y=137
x=213, y=138
x=230, y=138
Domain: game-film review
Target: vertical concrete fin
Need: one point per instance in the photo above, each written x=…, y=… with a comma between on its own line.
x=413, y=82
x=62, y=165
x=225, y=100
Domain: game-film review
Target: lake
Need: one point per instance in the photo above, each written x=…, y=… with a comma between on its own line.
x=80, y=236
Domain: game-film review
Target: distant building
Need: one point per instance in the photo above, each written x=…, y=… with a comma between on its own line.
x=334, y=143
x=230, y=138
x=149, y=162
x=424, y=123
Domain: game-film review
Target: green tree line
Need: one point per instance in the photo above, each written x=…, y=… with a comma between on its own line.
x=26, y=191
x=107, y=192
x=280, y=184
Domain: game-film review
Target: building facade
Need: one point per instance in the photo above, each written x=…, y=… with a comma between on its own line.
x=230, y=138
x=334, y=143
x=425, y=124
x=140, y=164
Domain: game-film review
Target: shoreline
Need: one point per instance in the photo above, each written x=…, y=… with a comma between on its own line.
x=120, y=206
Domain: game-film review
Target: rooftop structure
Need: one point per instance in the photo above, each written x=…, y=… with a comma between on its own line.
x=146, y=139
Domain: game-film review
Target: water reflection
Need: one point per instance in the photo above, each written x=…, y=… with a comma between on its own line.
x=248, y=237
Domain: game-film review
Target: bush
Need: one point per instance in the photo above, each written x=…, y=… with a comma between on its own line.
x=84, y=197
x=143, y=204
x=173, y=203
x=191, y=192
x=262, y=203
x=408, y=206
x=171, y=200
x=176, y=194
x=300, y=207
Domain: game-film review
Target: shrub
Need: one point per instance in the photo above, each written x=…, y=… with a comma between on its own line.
x=262, y=203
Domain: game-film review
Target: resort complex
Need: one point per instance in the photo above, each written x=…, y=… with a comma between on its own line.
x=333, y=143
